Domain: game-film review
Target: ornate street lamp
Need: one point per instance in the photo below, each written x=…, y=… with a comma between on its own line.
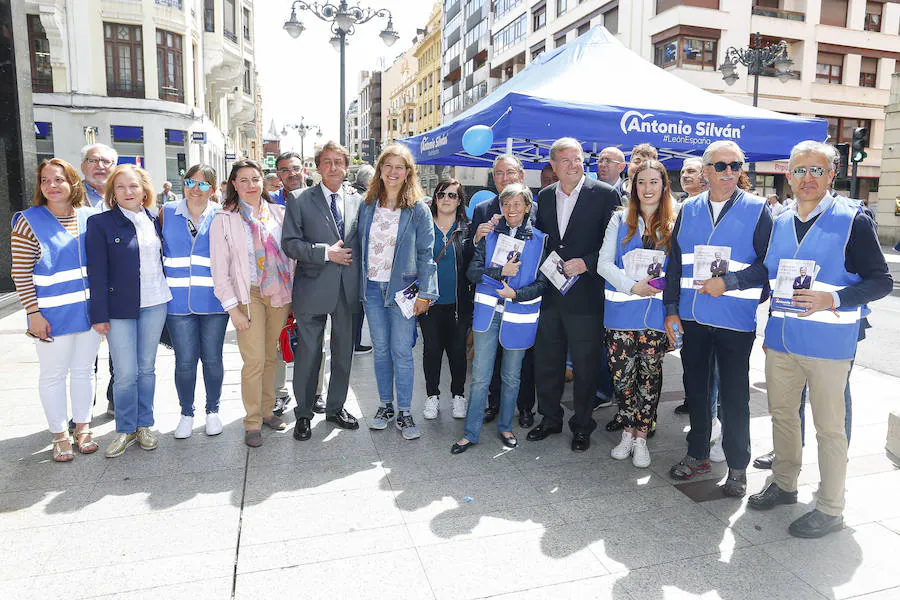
x=302, y=129
x=343, y=19
x=756, y=57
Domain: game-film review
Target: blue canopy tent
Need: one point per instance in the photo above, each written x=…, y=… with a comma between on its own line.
x=600, y=92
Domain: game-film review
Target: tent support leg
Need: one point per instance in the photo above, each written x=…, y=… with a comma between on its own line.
x=509, y=142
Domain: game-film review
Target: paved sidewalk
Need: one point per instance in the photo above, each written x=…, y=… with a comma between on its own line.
x=368, y=515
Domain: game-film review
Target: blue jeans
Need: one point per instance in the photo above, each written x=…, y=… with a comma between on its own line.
x=198, y=337
x=392, y=339
x=132, y=347
x=848, y=412
x=482, y=368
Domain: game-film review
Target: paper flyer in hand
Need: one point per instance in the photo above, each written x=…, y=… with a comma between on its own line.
x=507, y=249
x=640, y=263
x=406, y=299
x=793, y=274
x=553, y=270
x=709, y=262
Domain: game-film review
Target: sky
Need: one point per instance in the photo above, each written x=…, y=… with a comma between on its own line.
x=300, y=77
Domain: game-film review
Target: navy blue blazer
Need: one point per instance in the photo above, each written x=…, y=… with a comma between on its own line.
x=114, y=265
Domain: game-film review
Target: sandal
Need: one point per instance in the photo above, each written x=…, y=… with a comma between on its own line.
x=88, y=445
x=60, y=454
x=689, y=466
x=617, y=423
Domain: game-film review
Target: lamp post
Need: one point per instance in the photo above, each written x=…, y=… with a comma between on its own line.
x=343, y=21
x=302, y=128
x=755, y=58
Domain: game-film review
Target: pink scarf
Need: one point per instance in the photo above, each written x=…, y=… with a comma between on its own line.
x=273, y=269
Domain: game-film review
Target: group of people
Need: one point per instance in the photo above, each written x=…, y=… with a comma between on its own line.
x=99, y=263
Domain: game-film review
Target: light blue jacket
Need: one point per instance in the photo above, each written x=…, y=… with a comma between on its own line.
x=413, y=254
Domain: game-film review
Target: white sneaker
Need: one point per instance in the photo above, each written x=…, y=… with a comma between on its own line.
x=185, y=428
x=431, y=407
x=716, y=432
x=213, y=424
x=716, y=452
x=640, y=454
x=623, y=450
x=459, y=407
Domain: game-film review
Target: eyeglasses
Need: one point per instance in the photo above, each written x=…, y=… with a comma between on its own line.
x=721, y=166
x=48, y=339
x=508, y=173
x=104, y=162
x=286, y=170
x=604, y=161
x=451, y=195
x=204, y=187
x=800, y=172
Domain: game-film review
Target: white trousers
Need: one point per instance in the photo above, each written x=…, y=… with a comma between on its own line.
x=71, y=355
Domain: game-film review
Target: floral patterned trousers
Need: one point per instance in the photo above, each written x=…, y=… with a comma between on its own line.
x=635, y=362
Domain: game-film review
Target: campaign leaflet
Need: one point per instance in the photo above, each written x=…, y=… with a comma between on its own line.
x=641, y=263
x=406, y=299
x=793, y=274
x=508, y=249
x=710, y=262
x=553, y=270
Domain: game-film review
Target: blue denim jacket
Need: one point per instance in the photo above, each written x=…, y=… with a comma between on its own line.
x=413, y=254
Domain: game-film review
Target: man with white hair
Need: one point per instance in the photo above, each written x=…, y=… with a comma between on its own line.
x=692, y=180
x=718, y=315
x=167, y=195
x=97, y=162
x=816, y=347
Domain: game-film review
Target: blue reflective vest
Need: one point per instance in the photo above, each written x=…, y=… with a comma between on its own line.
x=187, y=265
x=60, y=276
x=735, y=309
x=520, y=319
x=629, y=311
x=823, y=334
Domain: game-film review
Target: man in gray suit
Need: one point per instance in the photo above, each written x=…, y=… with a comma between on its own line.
x=320, y=234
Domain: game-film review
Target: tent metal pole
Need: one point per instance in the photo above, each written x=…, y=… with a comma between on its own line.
x=509, y=142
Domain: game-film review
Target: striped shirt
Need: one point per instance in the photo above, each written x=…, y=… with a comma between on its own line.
x=26, y=252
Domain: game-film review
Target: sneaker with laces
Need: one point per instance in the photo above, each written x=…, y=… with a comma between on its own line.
x=146, y=439
x=431, y=407
x=716, y=452
x=382, y=417
x=281, y=404
x=213, y=424
x=185, y=428
x=623, y=450
x=407, y=426
x=459, y=407
x=640, y=454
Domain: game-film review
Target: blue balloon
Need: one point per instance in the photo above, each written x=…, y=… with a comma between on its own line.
x=592, y=175
x=477, y=198
x=477, y=139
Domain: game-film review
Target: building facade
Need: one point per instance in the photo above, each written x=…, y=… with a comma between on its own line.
x=167, y=83
x=888, y=210
x=352, y=129
x=465, y=44
x=369, y=107
x=428, y=80
x=398, y=83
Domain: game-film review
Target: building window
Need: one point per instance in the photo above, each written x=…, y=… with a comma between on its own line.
x=501, y=7
x=873, y=16
x=169, y=66
x=561, y=7
x=834, y=12
x=559, y=40
x=124, y=60
x=840, y=129
x=43, y=140
x=509, y=35
x=39, y=49
x=229, y=17
x=536, y=50
x=868, y=72
x=584, y=28
x=172, y=3
x=695, y=54
x=195, y=75
x=248, y=78
x=829, y=67
x=246, y=23
x=209, y=15
x=539, y=16
x=611, y=20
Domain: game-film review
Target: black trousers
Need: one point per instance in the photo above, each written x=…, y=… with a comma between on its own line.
x=703, y=344
x=443, y=331
x=526, y=399
x=582, y=334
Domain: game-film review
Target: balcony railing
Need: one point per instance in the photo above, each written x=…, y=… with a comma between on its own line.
x=230, y=35
x=125, y=90
x=778, y=13
x=173, y=3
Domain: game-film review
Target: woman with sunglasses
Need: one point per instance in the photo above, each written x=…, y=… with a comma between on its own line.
x=447, y=322
x=48, y=265
x=252, y=278
x=129, y=295
x=196, y=319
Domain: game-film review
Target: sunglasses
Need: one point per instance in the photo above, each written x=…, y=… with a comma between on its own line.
x=800, y=172
x=48, y=339
x=721, y=166
x=204, y=187
x=451, y=195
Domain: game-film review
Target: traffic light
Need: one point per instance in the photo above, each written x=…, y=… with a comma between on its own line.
x=859, y=143
x=844, y=154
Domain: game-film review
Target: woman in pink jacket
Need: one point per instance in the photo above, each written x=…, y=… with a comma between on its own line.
x=252, y=278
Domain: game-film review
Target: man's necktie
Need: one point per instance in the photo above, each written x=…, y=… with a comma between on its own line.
x=338, y=219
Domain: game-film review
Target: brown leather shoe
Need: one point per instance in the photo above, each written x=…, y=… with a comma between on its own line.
x=253, y=438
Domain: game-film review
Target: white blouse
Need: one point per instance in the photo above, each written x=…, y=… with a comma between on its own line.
x=382, y=241
x=154, y=288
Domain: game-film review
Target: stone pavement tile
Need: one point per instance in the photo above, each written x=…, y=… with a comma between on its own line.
x=847, y=563
x=427, y=500
x=482, y=567
x=875, y=497
x=396, y=575
x=308, y=550
x=659, y=498
x=678, y=532
x=313, y=477
x=41, y=508
x=139, y=577
x=434, y=462
x=39, y=472
x=745, y=574
x=192, y=590
x=870, y=464
x=663, y=461
x=892, y=524
x=592, y=588
x=25, y=552
x=273, y=520
x=583, y=479
x=137, y=463
x=480, y=525
x=326, y=443
x=760, y=526
x=890, y=594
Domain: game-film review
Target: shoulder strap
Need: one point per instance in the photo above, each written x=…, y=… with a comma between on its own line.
x=444, y=249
